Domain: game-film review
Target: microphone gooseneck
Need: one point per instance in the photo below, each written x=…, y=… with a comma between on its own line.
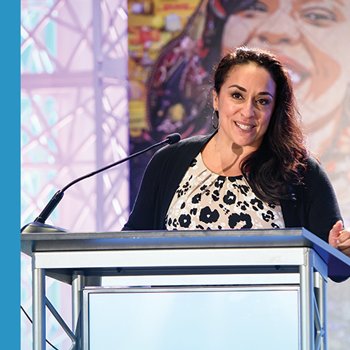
x=39, y=223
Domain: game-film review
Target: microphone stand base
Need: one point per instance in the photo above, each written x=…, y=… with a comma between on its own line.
x=38, y=227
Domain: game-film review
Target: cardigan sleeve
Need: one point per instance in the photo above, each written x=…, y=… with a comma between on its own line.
x=143, y=212
x=319, y=202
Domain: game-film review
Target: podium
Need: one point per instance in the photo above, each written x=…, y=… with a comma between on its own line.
x=209, y=274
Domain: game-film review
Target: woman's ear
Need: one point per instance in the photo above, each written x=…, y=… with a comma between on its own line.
x=215, y=100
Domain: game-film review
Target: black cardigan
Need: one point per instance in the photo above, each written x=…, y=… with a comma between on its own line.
x=315, y=206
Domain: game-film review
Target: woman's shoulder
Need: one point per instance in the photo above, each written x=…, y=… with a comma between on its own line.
x=187, y=145
x=315, y=172
x=193, y=140
x=178, y=156
x=313, y=165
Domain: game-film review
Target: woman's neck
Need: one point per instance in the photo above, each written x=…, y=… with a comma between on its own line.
x=224, y=158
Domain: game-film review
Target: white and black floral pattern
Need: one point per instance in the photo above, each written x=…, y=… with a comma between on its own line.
x=205, y=200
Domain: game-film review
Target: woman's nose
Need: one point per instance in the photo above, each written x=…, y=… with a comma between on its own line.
x=247, y=109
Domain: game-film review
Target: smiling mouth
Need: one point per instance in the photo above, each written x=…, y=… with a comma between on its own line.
x=244, y=127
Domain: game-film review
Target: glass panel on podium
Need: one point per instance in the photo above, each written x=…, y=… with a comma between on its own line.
x=206, y=318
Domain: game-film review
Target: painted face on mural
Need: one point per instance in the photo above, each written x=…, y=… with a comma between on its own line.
x=311, y=39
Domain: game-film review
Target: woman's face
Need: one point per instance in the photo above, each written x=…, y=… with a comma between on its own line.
x=311, y=37
x=245, y=103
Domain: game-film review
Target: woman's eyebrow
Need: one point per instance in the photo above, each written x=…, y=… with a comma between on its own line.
x=265, y=93
x=238, y=87
x=245, y=90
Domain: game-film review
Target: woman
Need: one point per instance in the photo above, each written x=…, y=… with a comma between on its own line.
x=253, y=172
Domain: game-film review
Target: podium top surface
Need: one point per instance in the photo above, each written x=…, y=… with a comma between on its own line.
x=338, y=263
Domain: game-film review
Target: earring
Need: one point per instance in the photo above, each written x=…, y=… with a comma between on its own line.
x=215, y=119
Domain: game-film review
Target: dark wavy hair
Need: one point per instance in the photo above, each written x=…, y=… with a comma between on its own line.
x=281, y=159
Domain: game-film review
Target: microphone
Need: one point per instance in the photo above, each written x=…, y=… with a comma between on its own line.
x=38, y=225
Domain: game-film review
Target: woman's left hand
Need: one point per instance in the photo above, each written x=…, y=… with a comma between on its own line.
x=340, y=238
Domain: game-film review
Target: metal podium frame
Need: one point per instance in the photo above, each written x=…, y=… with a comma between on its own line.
x=227, y=257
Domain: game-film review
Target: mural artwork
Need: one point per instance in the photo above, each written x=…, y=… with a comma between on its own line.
x=171, y=70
